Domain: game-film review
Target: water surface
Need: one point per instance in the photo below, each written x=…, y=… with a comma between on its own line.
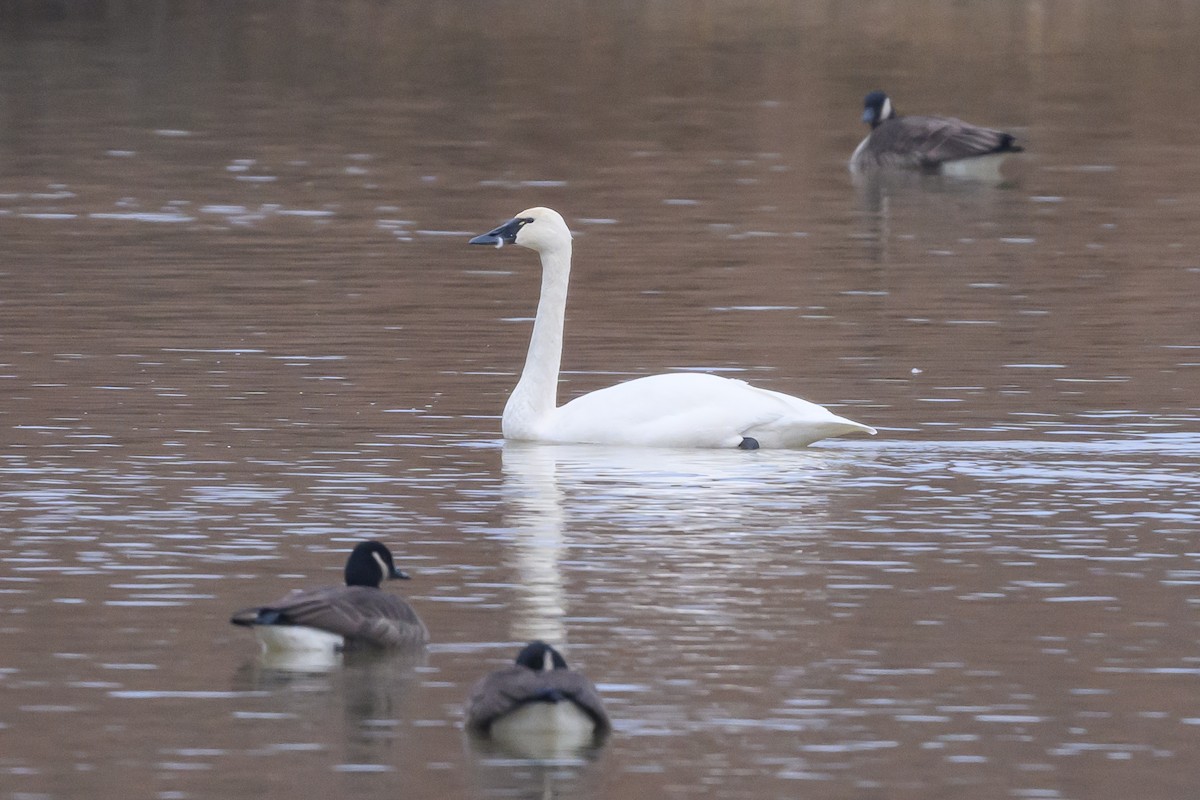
x=241, y=329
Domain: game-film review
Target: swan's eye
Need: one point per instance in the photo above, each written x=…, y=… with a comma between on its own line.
x=524, y=220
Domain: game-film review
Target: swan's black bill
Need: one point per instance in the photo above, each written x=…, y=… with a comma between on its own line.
x=505, y=234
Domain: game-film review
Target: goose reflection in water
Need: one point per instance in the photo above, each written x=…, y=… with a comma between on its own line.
x=892, y=203
x=370, y=691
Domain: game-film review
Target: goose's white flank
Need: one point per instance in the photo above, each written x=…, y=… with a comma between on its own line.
x=670, y=410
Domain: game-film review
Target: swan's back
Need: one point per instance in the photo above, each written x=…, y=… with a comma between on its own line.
x=693, y=410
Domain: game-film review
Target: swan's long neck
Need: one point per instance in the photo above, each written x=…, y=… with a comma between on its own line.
x=536, y=394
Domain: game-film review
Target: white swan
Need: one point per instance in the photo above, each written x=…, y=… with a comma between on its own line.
x=671, y=410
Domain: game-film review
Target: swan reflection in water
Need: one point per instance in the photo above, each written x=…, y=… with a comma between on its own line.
x=652, y=503
x=616, y=512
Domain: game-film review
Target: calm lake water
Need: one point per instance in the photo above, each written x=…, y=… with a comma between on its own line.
x=240, y=329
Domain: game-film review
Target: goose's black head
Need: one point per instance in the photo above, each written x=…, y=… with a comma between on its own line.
x=877, y=107
x=370, y=564
x=540, y=657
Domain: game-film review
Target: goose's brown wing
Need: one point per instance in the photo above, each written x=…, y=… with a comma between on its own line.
x=363, y=615
x=926, y=142
x=506, y=690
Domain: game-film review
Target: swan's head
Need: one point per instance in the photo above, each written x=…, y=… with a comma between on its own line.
x=536, y=228
x=876, y=108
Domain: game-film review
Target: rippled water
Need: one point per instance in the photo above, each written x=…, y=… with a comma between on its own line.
x=241, y=330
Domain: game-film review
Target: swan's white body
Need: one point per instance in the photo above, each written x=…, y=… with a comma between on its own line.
x=670, y=410
x=678, y=410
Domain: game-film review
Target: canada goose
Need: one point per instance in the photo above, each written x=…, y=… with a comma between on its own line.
x=930, y=144
x=359, y=614
x=538, y=704
x=672, y=410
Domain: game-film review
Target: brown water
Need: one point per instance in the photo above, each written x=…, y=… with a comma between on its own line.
x=241, y=329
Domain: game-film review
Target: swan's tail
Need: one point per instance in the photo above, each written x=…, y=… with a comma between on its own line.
x=850, y=426
x=802, y=433
x=838, y=426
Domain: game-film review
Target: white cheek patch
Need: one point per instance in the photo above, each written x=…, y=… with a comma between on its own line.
x=547, y=661
x=499, y=243
x=383, y=567
x=885, y=112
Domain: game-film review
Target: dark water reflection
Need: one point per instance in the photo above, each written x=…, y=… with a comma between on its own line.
x=240, y=329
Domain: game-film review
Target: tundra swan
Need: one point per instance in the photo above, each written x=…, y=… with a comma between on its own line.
x=670, y=410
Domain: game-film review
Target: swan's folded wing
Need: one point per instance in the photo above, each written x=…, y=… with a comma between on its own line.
x=684, y=409
x=690, y=409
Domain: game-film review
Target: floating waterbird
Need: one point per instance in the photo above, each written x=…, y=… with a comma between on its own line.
x=930, y=144
x=538, y=704
x=670, y=410
x=333, y=618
